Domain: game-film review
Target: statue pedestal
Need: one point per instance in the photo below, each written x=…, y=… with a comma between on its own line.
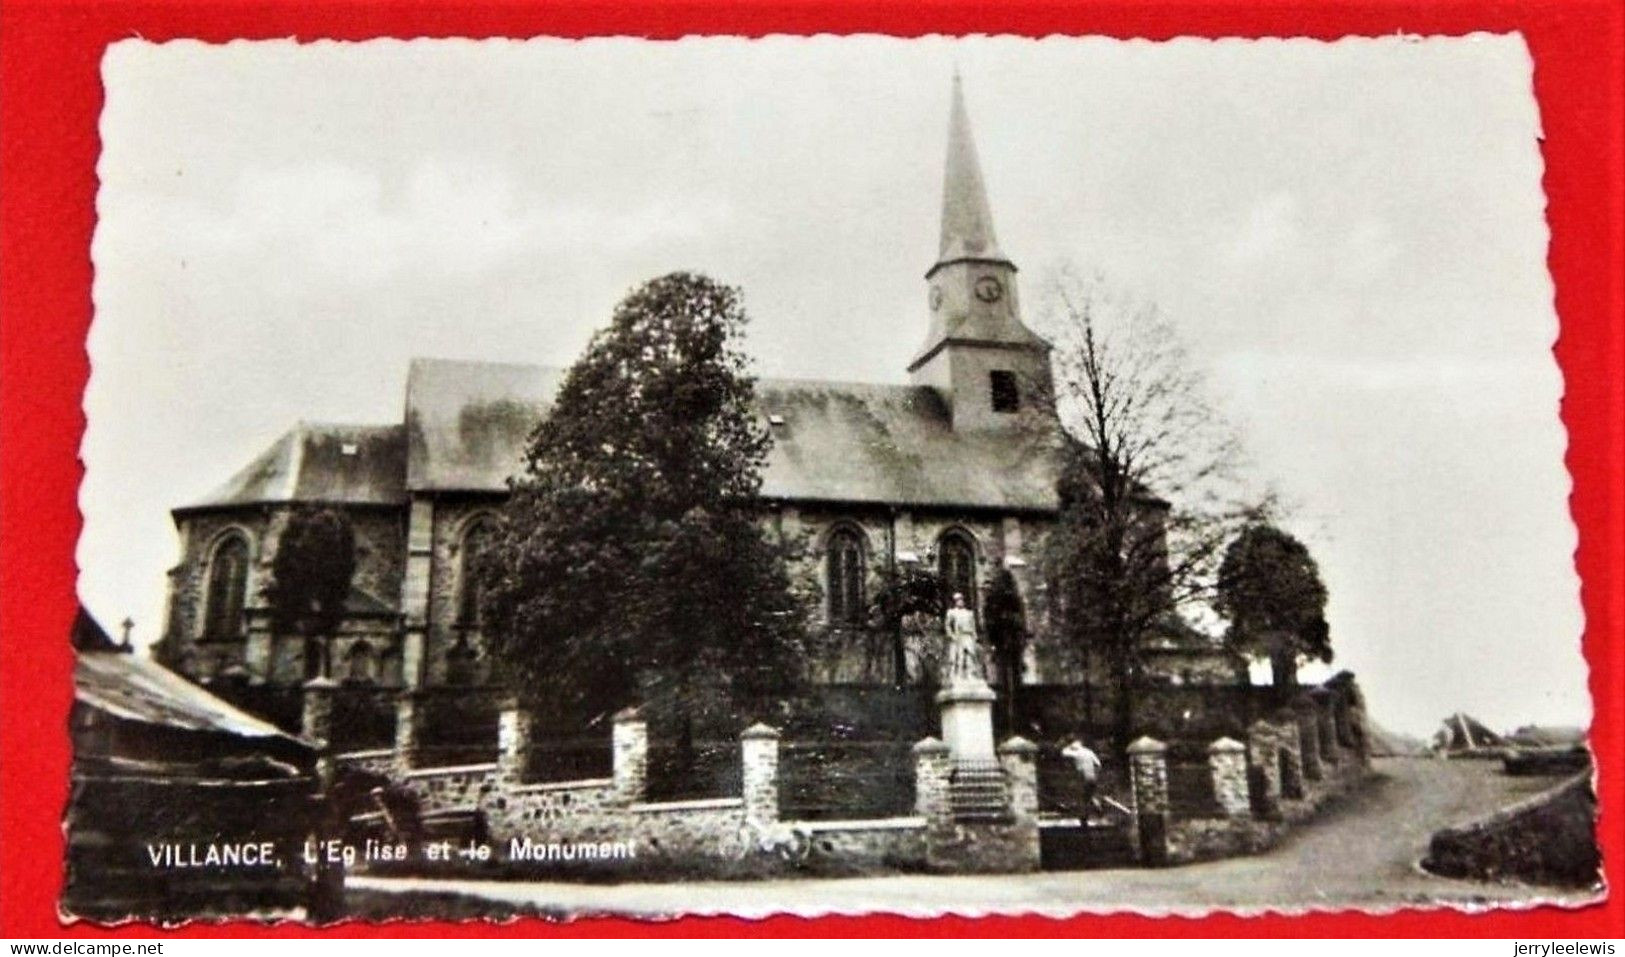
x=967, y=720
x=981, y=828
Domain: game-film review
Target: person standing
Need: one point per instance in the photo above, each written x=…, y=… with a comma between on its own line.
x=1087, y=763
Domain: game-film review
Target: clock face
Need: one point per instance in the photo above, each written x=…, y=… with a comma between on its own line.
x=989, y=289
x=936, y=298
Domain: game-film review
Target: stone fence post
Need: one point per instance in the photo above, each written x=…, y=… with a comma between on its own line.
x=1148, y=780
x=408, y=730
x=1264, y=785
x=326, y=889
x=759, y=759
x=1227, y=761
x=316, y=717
x=1019, y=758
x=515, y=728
x=629, y=746
x=1308, y=739
x=932, y=765
x=1325, y=724
x=1345, y=725
x=1362, y=735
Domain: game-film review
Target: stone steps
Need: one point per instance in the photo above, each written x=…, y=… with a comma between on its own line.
x=978, y=792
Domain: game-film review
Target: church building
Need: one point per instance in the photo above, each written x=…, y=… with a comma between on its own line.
x=945, y=473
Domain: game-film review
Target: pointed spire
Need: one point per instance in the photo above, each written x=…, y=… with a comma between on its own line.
x=967, y=220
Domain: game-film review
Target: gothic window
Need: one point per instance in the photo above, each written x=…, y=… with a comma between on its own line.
x=227, y=589
x=360, y=664
x=956, y=566
x=475, y=540
x=1006, y=394
x=844, y=575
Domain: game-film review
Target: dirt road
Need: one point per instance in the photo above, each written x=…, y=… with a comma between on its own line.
x=1361, y=852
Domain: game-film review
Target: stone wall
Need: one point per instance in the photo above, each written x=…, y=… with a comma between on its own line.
x=259, y=655
x=1009, y=540
x=735, y=835
x=864, y=847
x=378, y=761
x=180, y=647
x=805, y=529
x=1549, y=838
x=1259, y=786
x=452, y=516
x=451, y=788
x=1256, y=787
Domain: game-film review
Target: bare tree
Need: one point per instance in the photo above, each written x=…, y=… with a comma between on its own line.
x=1150, y=486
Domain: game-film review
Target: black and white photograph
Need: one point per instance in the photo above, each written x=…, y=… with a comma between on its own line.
x=824, y=475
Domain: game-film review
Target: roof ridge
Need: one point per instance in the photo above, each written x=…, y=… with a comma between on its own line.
x=417, y=361
x=310, y=425
x=797, y=380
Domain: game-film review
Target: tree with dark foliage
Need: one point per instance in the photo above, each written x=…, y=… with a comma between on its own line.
x=1270, y=590
x=629, y=565
x=910, y=592
x=310, y=580
x=1006, y=618
x=1149, y=489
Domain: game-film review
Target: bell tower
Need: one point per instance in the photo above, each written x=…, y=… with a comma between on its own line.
x=978, y=354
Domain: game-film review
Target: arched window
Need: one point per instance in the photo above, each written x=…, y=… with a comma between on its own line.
x=956, y=566
x=360, y=664
x=843, y=577
x=228, y=586
x=475, y=539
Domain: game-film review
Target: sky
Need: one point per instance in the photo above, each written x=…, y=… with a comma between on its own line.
x=1349, y=238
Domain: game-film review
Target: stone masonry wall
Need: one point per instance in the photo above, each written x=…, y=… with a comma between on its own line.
x=380, y=552
x=996, y=538
x=452, y=517
x=1259, y=785
x=723, y=836
x=180, y=648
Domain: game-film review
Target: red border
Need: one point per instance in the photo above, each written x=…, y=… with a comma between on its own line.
x=49, y=69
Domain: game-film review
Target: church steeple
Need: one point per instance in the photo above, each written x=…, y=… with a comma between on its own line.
x=967, y=219
x=978, y=354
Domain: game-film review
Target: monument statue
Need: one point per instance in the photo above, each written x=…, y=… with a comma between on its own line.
x=964, y=653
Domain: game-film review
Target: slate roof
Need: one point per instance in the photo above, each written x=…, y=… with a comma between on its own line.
x=967, y=218
x=340, y=464
x=852, y=442
x=136, y=689
x=467, y=424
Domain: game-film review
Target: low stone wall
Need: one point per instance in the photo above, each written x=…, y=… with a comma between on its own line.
x=685, y=831
x=863, y=847
x=1292, y=763
x=380, y=762
x=607, y=825
x=445, y=789
x=1205, y=839
x=521, y=807
x=1546, y=839
x=1289, y=764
